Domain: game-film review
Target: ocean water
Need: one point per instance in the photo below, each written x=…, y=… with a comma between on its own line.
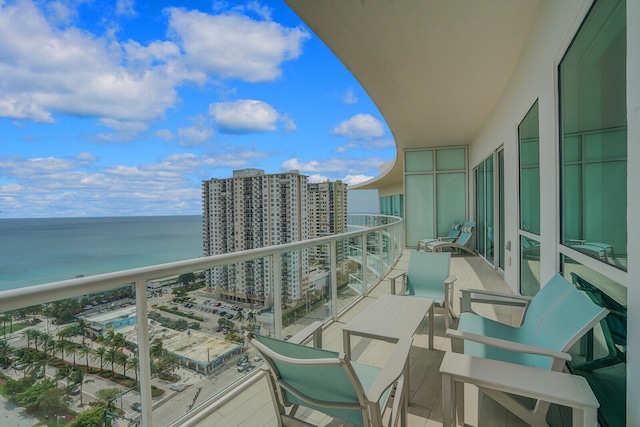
x=41, y=250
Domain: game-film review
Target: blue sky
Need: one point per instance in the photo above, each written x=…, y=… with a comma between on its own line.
x=124, y=107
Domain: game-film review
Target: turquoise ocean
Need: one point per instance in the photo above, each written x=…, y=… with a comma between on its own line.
x=42, y=250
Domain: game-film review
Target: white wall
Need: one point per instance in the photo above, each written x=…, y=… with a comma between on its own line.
x=535, y=77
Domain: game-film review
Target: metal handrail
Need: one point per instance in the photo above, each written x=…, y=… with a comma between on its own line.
x=28, y=296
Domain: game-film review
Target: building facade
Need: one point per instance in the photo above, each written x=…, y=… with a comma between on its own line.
x=252, y=210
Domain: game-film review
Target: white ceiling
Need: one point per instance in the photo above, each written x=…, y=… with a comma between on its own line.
x=435, y=68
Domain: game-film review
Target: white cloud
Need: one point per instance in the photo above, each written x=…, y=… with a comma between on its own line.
x=78, y=186
x=289, y=126
x=349, y=97
x=165, y=134
x=49, y=67
x=360, y=126
x=86, y=157
x=335, y=166
x=193, y=136
x=126, y=8
x=123, y=125
x=356, y=179
x=231, y=45
x=244, y=116
x=370, y=145
x=316, y=178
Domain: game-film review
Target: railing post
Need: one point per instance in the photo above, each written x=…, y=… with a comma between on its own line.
x=381, y=265
x=365, y=266
x=277, y=295
x=144, y=358
x=333, y=261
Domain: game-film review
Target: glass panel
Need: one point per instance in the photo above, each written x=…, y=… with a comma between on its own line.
x=594, y=139
x=350, y=279
x=501, y=244
x=529, y=266
x=529, y=146
x=601, y=356
x=489, y=239
x=418, y=161
x=450, y=206
x=419, y=214
x=480, y=198
x=450, y=159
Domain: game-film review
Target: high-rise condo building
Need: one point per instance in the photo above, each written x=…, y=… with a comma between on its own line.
x=252, y=210
x=327, y=216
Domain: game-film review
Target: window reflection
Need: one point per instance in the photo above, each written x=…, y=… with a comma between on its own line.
x=594, y=137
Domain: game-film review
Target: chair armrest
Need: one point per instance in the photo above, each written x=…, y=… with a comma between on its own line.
x=447, y=239
x=508, y=345
x=392, y=370
x=449, y=280
x=491, y=297
x=393, y=282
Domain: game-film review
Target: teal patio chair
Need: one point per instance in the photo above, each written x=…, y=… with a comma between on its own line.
x=454, y=232
x=555, y=319
x=329, y=382
x=460, y=243
x=428, y=276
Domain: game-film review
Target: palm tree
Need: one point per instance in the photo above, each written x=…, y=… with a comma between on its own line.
x=46, y=339
x=133, y=365
x=100, y=352
x=82, y=327
x=112, y=355
x=49, y=343
x=60, y=347
x=156, y=348
x=29, y=334
x=6, y=350
x=240, y=317
x=63, y=373
x=72, y=350
x=4, y=318
x=121, y=360
x=77, y=378
x=85, y=352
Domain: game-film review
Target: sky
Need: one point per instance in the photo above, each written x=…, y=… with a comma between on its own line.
x=117, y=108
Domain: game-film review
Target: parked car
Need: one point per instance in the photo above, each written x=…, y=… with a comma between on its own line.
x=230, y=316
x=242, y=360
x=136, y=406
x=223, y=313
x=244, y=367
x=74, y=391
x=177, y=387
x=257, y=358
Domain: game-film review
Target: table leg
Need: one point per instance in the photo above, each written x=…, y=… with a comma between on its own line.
x=431, y=327
x=448, y=401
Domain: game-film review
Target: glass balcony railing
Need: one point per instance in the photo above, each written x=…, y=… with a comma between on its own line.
x=153, y=344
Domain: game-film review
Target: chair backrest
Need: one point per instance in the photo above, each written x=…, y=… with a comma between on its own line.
x=427, y=270
x=315, y=378
x=565, y=323
x=465, y=233
x=547, y=297
x=455, y=229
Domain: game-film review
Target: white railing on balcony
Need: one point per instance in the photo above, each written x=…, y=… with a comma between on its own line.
x=376, y=242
